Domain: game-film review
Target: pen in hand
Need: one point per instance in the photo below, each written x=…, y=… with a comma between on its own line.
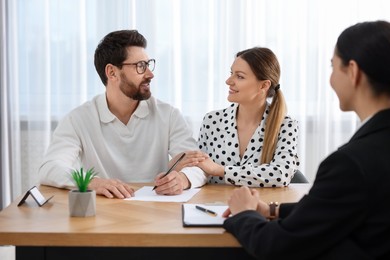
x=172, y=167
x=212, y=213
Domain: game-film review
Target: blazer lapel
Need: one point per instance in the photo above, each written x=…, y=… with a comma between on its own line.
x=379, y=121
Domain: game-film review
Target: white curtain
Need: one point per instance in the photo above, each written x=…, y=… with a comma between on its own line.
x=4, y=183
x=47, y=64
x=10, y=159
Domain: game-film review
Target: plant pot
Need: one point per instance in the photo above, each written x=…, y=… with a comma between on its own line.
x=82, y=204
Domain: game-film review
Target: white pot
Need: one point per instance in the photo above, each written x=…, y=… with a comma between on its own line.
x=82, y=204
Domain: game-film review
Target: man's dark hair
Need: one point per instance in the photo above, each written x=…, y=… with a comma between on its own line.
x=112, y=49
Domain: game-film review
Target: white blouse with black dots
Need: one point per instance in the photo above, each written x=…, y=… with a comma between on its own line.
x=218, y=138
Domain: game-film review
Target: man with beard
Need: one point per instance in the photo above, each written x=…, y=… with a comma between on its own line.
x=125, y=134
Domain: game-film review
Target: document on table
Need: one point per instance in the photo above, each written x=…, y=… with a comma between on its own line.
x=147, y=193
x=193, y=217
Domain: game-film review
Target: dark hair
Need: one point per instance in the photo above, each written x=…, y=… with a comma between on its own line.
x=368, y=43
x=112, y=49
x=265, y=66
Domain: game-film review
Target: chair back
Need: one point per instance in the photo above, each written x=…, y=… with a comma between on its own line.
x=299, y=178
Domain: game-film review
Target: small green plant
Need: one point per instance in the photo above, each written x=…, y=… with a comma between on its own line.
x=82, y=179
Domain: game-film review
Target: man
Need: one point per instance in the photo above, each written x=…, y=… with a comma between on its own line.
x=126, y=135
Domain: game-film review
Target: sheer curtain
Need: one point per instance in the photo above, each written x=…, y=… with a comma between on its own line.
x=47, y=64
x=10, y=174
x=4, y=183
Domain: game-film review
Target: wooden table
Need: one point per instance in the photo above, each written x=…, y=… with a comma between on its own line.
x=135, y=229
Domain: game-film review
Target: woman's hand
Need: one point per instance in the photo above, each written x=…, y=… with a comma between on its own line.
x=201, y=160
x=192, y=158
x=212, y=168
x=242, y=199
x=247, y=199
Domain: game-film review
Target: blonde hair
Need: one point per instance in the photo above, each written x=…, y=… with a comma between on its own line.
x=277, y=113
x=265, y=66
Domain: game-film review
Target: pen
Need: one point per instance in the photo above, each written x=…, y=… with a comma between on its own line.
x=173, y=166
x=212, y=213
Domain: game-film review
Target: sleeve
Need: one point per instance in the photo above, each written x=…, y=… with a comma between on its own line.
x=285, y=209
x=322, y=218
x=62, y=156
x=279, y=171
x=181, y=140
x=196, y=176
x=202, y=138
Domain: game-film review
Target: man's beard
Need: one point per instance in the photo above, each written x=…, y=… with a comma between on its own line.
x=132, y=91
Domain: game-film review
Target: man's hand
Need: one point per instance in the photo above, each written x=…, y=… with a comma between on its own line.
x=172, y=184
x=111, y=188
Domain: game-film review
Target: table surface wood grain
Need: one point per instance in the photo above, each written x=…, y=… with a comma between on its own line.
x=123, y=223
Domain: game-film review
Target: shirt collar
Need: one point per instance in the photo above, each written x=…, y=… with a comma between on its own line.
x=107, y=116
x=142, y=109
x=363, y=122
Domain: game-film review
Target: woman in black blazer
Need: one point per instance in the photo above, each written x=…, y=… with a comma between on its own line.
x=346, y=214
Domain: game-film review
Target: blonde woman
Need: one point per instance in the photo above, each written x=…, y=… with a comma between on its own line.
x=252, y=142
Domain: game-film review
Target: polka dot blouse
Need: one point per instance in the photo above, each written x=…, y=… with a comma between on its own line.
x=219, y=139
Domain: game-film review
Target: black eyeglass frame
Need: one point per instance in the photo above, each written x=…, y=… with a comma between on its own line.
x=141, y=66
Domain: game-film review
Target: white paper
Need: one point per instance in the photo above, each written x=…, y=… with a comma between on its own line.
x=196, y=217
x=147, y=193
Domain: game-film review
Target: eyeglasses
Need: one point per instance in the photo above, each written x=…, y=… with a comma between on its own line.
x=142, y=65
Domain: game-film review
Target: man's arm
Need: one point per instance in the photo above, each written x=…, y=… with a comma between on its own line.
x=181, y=140
x=62, y=156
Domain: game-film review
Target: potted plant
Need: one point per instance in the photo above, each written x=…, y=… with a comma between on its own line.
x=82, y=202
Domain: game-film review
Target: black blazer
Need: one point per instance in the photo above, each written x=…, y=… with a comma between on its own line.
x=345, y=215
